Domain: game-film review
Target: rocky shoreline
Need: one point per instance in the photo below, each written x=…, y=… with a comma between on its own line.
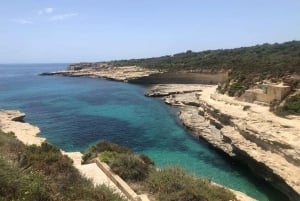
x=268, y=144
x=123, y=74
x=12, y=121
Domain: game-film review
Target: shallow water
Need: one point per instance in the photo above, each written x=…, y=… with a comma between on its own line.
x=74, y=113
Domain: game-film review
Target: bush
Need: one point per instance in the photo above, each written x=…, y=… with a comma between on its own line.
x=292, y=106
x=174, y=184
x=18, y=185
x=43, y=173
x=108, y=156
x=46, y=159
x=130, y=167
x=94, y=150
x=122, y=161
x=147, y=159
x=234, y=88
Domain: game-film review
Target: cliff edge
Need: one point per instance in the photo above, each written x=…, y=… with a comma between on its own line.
x=268, y=144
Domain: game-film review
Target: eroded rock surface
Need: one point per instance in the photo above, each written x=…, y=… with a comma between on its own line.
x=268, y=144
x=12, y=121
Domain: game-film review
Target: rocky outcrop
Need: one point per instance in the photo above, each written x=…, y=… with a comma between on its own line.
x=124, y=74
x=268, y=144
x=166, y=90
x=140, y=75
x=12, y=121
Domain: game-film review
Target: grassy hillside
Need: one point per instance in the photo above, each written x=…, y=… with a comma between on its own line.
x=246, y=65
x=278, y=58
x=43, y=174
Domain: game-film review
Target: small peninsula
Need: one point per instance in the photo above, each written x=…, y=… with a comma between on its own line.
x=249, y=110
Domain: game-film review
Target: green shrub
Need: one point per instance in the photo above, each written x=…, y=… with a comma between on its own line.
x=234, y=88
x=46, y=158
x=18, y=185
x=94, y=150
x=292, y=106
x=147, y=159
x=108, y=156
x=10, y=147
x=43, y=173
x=104, y=193
x=130, y=167
x=174, y=184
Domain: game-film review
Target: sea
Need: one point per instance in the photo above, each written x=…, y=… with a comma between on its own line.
x=74, y=113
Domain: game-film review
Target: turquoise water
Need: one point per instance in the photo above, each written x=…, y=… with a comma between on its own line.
x=74, y=113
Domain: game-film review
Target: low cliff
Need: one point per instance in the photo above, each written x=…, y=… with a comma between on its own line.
x=268, y=144
x=136, y=74
x=124, y=74
x=12, y=121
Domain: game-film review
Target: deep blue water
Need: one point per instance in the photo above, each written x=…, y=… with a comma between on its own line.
x=74, y=113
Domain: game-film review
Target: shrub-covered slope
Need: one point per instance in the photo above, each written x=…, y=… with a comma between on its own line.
x=272, y=58
x=167, y=184
x=43, y=173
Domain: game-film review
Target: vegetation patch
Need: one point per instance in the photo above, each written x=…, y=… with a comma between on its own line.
x=170, y=184
x=130, y=167
x=97, y=148
x=234, y=88
x=122, y=161
x=43, y=173
x=108, y=156
x=18, y=185
x=291, y=107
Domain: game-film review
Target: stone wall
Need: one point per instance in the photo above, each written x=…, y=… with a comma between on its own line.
x=267, y=94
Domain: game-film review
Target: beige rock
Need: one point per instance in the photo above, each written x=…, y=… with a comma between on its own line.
x=270, y=145
x=11, y=121
x=113, y=73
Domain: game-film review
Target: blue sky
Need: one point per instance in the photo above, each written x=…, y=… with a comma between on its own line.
x=44, y=31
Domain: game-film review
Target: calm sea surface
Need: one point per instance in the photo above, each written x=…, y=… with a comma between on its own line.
x=74, y=113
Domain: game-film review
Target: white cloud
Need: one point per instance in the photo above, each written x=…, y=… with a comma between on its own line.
x=22, y=21
x=49, y=10
x=63, y=16
x=46, y=11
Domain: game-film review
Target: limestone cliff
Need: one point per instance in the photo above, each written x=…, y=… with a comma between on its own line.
x=268, y=144
x=124, y=74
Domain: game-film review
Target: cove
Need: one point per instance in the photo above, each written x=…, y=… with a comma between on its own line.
x=74, y=113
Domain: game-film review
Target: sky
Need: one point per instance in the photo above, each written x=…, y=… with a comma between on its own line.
x=67, y=31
